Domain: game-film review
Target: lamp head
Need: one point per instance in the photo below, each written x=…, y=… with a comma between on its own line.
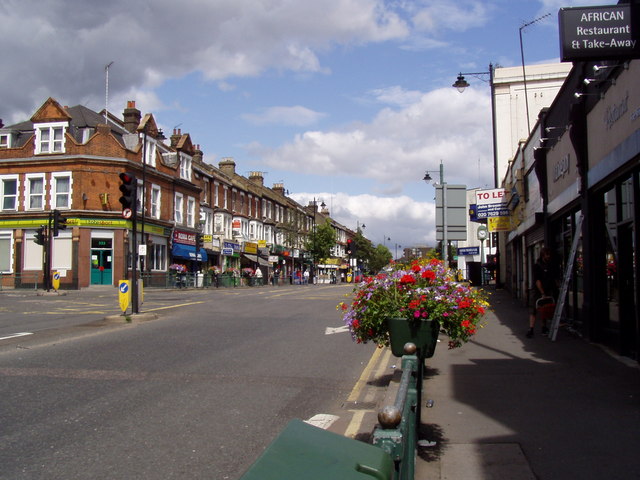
x=460, y=83
x=427, y=178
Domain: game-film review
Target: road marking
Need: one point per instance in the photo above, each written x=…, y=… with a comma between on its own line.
x=331, y=330
x=362, y=381
x=354, y=425
x=14, y=335
x=172, y=306
x=322, y=420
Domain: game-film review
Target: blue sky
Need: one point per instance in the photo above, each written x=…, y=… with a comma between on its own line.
x=345, y=101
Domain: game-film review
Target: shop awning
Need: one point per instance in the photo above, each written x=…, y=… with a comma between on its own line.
x=188, y=252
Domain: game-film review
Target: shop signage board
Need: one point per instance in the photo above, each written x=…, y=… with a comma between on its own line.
x=499, y=224
x=492, y=203
x=468, y=251
x=605, y=32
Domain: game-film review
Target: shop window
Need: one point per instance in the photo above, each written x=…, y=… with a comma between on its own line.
x=6, y=252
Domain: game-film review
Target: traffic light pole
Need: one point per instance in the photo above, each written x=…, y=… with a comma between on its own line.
x=48, y=249
x=134, y=265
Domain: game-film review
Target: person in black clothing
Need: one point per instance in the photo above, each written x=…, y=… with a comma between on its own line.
x=545, y=284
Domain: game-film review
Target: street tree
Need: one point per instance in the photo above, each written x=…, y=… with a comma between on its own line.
x=380, y=258
x=321, y=241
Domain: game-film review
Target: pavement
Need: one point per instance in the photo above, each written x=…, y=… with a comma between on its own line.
x=509, y=407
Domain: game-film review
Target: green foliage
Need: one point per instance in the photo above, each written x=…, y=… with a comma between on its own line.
x=380, y=258
x=321, y=241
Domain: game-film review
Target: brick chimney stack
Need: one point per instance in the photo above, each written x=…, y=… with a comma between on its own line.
x=175, y=137
x=278, y=188
x=257, y=178
x=197, y=154
x=132, y=117
x=228, y=166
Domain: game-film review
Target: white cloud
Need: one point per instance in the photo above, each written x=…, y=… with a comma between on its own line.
x=297, y=116
x=155, y=41
x=401, y=218
x=398, y=144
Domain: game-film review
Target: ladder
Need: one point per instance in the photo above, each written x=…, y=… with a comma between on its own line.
x=557, y=313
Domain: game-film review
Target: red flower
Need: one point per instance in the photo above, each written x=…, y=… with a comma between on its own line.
x=415, y=267
x=407, y=280
x=464, y=304
x=429, y=274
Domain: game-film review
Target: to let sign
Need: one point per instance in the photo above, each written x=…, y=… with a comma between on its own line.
x=492, y=203
x=600, y=32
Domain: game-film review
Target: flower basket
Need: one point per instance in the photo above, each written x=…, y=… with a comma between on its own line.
x=422, y=333
x=414, y=303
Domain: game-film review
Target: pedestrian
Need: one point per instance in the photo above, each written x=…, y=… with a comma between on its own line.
x=306, y=277
x=545, y=285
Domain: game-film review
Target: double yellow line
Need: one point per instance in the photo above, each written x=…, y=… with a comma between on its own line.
x=378, y=362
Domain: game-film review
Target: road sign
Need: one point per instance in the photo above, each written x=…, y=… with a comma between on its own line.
x=468, y=251
x=127, y=213
x=124, y=294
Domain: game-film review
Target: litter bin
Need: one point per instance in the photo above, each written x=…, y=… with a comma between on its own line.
x=303, y=451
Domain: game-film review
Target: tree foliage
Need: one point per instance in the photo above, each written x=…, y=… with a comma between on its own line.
x=321, y=241
x=380, y=258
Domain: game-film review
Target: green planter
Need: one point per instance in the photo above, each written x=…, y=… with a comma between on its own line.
x=423, y=333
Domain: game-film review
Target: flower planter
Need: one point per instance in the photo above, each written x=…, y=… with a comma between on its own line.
x=423, y=333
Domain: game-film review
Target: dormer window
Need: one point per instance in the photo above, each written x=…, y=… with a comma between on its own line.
x=50, y=137
x=185, y=167
x=5, y=140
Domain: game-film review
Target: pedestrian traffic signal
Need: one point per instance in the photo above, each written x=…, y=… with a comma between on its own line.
x=129, y=189
x=199, y=241
x=40, y=238
x=350, y=247
x=59, y=223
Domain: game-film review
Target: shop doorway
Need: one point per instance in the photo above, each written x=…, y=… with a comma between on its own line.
x=101, y=261
x=628, y=311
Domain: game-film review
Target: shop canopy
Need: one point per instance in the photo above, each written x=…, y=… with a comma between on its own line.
x=188, y=252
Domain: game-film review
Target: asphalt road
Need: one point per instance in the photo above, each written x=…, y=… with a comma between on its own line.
x=196, y=393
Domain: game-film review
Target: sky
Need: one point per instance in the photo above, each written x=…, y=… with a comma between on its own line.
x=348, y=102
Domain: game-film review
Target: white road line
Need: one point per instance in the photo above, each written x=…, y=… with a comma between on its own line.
x=14, y=335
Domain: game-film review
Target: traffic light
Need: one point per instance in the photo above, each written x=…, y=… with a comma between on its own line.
x=59, y=223
x=350, y=247
x=199, y=241
x=40, y=238
x=129, y=189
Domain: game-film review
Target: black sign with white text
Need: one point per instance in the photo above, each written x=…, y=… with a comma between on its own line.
x=599, y=33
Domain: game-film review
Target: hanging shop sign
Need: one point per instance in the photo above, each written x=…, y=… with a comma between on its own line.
x=604, y=32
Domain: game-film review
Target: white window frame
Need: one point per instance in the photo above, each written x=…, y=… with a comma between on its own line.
x=29, y=178
x=178, y=215
x=191, y=212
x=5, y=140
x=156, y=198
x=216, y=195
x=47, y=140
x=150, y=152
x=3, y=194
x=205, y=193
x=6, y=239
x=54, y=192
x=185, y=166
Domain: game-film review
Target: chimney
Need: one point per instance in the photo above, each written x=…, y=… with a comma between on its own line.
x=278, y=188
x=197, y=154
x=228, y=166
x=175, y=138
x=257, y=178
x=131, y=117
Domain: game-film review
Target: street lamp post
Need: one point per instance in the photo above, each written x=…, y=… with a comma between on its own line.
x=445, y=242
x=461, y=84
